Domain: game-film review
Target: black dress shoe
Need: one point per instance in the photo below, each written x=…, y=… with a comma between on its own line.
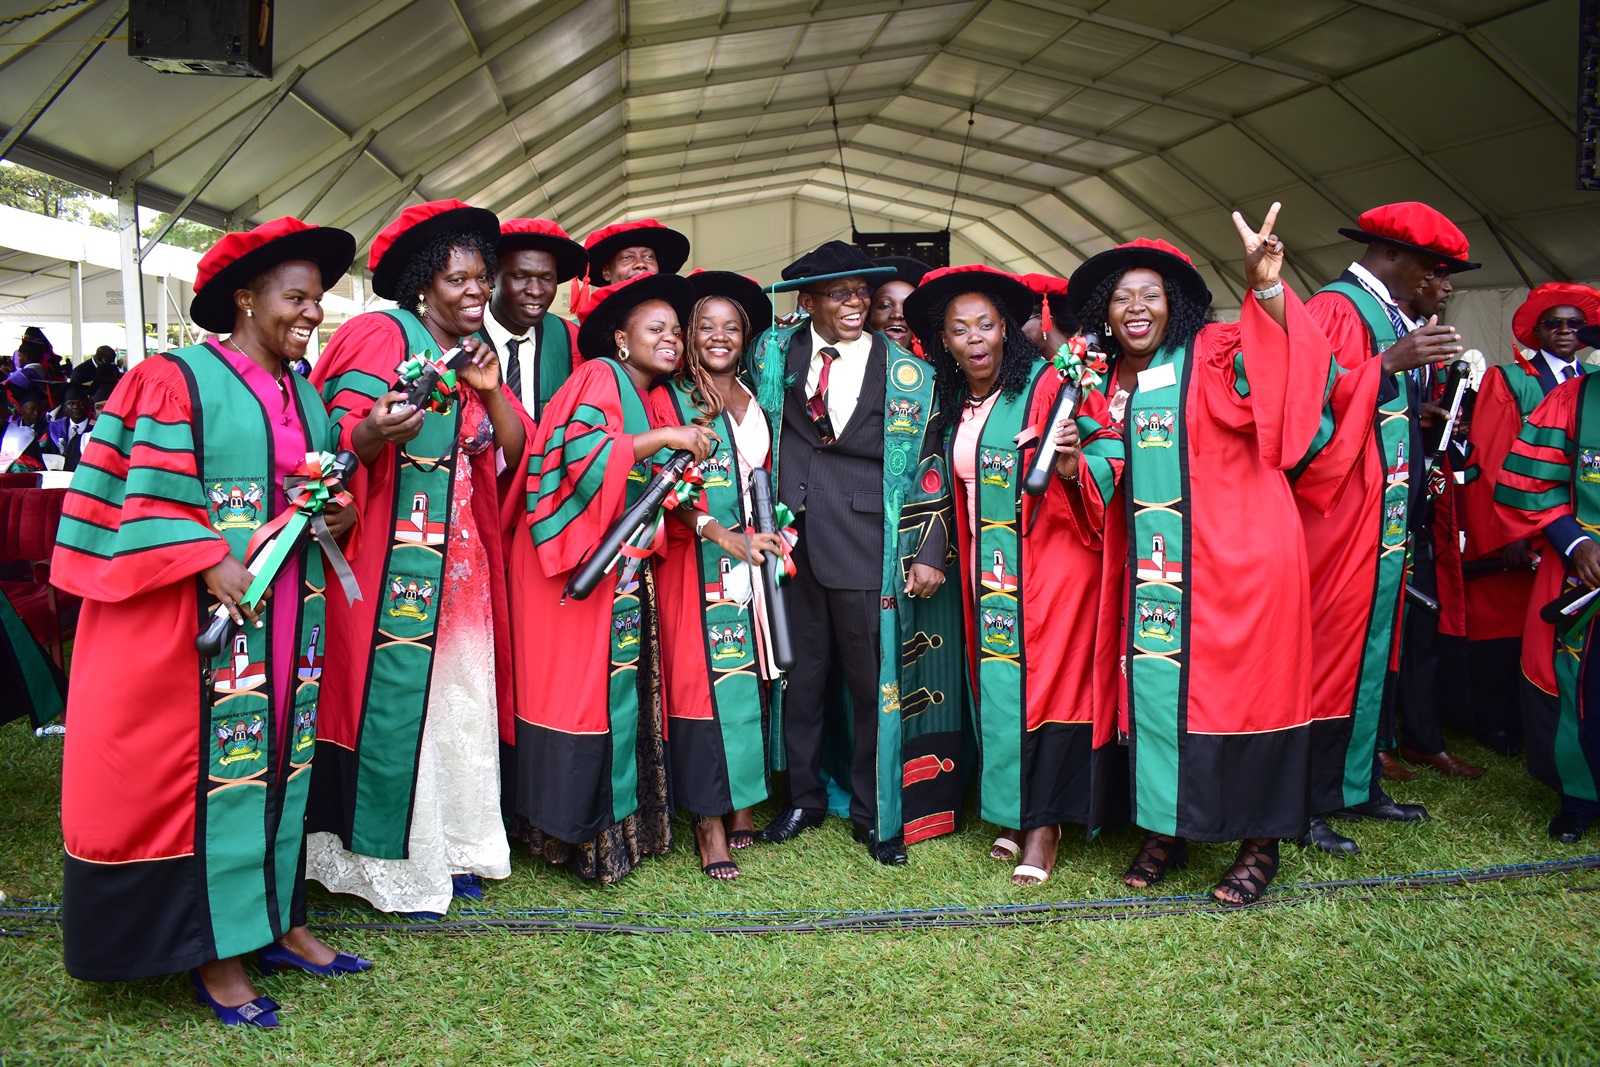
x=1386, y=808
x=789, y=824
x=890, y=853
x=1321, y=835
x=1568, y=826
x=1502, y=741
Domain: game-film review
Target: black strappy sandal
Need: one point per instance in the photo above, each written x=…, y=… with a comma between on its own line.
x=741, y=839
x=1158, y=855
x=1253, y=870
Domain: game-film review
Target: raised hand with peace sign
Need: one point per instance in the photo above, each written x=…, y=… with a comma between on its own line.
x=1263, y=251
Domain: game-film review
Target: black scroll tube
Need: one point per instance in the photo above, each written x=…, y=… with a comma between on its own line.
x=643, y=512
x=215, y=637
x=1037, y=480
x=766, y=517
x=1552, y=612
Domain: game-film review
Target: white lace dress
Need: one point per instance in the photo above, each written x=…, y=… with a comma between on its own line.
x=456, y=826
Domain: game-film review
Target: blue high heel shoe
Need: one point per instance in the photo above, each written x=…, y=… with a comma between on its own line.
x=469, y=886
x=275, y=957
x=261, y=1011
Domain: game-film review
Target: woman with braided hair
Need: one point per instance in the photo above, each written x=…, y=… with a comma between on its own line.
x=718, y=662
x=1205, y=563
x=1032, y=577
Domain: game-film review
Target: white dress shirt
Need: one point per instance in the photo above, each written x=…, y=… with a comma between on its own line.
x=1371, y=284
x=844, y=380
x=1561, y=368
x=527, y=355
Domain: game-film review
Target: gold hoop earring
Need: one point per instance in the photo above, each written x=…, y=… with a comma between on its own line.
x=422, y=306
x=622, y=354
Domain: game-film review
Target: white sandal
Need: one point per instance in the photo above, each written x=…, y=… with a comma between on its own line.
x=1027, y=870
x=1006, y=845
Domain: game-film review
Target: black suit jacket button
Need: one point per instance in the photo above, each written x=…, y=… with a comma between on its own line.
x=802, y=485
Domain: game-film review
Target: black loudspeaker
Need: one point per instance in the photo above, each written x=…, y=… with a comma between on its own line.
x=932, y=248
x=1589, y=95
x=229, y=37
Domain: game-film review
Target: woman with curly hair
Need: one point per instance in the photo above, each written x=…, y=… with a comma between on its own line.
x=1205, y=564
x=719, y=668
x=1032, y=578
x=405, y=807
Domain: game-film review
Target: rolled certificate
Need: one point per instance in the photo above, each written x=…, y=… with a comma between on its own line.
x=1037, y=479
x=628, y=527
x=766, y=516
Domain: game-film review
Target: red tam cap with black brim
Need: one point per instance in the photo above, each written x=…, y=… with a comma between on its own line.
x=946, y=283
x=417, y=227
x=543, y=235
x=1159, y=256
x=240, y=258
x=670, y=246
x=746, y=292
x=831, y=261
x=1553, y=295
x=1416, y=227
x=606, y=309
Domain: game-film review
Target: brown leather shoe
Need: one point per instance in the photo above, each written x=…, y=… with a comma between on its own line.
x=1393, y=770
x=1443, y=762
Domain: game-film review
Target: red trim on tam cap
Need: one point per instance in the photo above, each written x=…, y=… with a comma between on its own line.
x=544, y=235
x=1414, y=225
x=1553, y=295
x=239, y=258
x=671, y=247
x=411, y=232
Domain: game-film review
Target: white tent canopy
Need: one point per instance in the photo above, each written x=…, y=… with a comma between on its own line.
x=1082, y=125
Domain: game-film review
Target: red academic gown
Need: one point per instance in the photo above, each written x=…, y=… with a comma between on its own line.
x=374, y=345
x=1340, y=494
x=1495, y=603
x=570, y=780
x=1227, y=755
x=1059, y=763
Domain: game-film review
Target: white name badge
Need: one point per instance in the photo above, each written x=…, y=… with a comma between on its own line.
x=1157, y=377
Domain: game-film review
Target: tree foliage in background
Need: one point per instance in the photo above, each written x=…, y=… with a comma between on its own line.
x=41, y=194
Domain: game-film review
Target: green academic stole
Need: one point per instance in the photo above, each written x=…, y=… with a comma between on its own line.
x=766, y=362
x=1391, y=432
x=406, y=629
x=1157, y=611
x=627, y=626
x=728, y=627
x=920, y=665
x=554, y=361
x=243, y=791
x=1000, y=699
x=1572, y=767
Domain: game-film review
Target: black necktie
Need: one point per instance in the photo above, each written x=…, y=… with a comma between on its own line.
x=514, y=368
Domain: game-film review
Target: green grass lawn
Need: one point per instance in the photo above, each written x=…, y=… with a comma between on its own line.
x=1491, y=972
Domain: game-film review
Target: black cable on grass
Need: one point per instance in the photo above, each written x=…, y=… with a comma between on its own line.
x=25, y=918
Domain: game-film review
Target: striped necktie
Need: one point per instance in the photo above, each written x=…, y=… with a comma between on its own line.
x=513, y=372
x=817, y=403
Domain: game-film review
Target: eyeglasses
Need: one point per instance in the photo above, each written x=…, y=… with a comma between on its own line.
x=839, y=296
x=1554, y=323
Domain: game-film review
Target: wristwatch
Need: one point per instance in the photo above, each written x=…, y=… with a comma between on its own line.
x=1275, y=289
x=701, y=523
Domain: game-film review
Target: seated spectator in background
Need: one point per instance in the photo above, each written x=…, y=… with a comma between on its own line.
x=101, y=367
x=99, y=395
x=76, y=420
x=20, y=439
x=7, y=365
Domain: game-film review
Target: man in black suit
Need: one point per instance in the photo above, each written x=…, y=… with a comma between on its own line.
x=831, y=473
